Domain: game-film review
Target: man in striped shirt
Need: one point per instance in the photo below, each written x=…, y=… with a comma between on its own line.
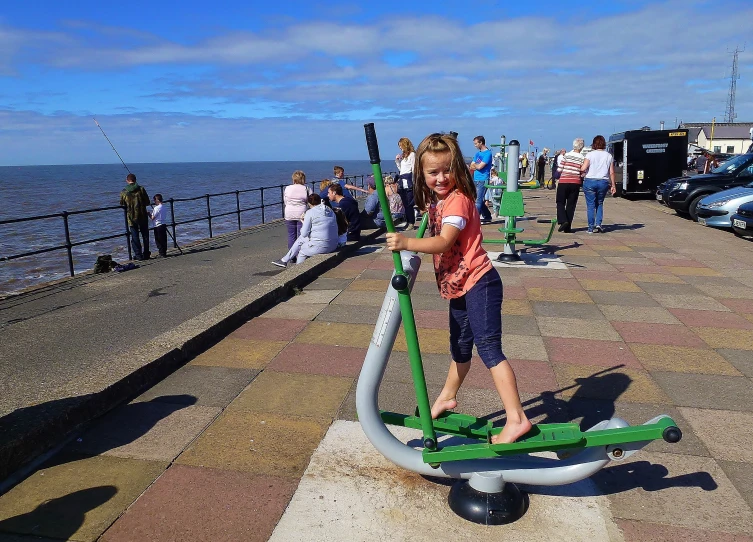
x=568, y=187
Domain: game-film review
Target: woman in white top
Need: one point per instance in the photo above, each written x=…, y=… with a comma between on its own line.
x=294, y=197
x=598, y=167
x=405, y=161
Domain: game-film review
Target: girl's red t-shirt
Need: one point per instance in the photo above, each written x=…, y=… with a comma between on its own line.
x=458, y=269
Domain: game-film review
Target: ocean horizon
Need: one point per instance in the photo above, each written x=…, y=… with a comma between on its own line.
x=51, y=189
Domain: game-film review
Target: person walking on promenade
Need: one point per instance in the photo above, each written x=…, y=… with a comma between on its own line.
x=349, y=207
x=522, y=165
x=465, y=276
x=404, y=161
x=160, y=224
x=568, y=187
x=541, y=166
x=598, y=167
x=318, y=233
x=295, y=196
x=135, y=199
x=481, y=167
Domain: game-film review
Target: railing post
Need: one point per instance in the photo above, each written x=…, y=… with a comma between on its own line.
x=238, y=207
x=172, y=219
x=262, y=205
x=68, y=245
x=209, y=217
x=127, y=233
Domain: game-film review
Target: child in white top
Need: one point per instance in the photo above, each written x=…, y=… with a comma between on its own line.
x=160, y=226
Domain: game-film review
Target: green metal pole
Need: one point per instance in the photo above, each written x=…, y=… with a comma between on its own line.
x=406, y=307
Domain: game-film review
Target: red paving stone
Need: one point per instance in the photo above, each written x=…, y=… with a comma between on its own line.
x=635, y=531
x=590, y=352
x=432, y=319
x=671, y=334
x=668, y=262
x=744, y=306
x=199, y=504
x=320, y=359
x=643, y=269
x=382, y=264
x=598, y=275
x=270, y=329
x=514, y=292
x=357, y=265
x=694, y=318
x=543, y=282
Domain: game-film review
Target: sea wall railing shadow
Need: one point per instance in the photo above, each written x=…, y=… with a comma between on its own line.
x=251, y=207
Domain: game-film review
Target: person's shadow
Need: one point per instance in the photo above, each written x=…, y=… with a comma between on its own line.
x=60, y=517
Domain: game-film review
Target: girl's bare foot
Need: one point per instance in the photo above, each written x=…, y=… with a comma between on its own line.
x=512, y=431
x=442, y=405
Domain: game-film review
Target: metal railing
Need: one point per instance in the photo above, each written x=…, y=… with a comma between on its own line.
x=263, y=207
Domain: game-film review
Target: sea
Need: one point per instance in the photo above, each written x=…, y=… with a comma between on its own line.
x=27, y=191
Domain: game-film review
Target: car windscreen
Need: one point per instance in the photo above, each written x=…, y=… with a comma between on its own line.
x=731, y=165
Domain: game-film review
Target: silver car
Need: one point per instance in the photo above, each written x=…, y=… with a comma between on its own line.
x=717, y=209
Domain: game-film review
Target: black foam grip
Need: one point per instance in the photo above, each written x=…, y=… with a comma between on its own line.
x=371, y=142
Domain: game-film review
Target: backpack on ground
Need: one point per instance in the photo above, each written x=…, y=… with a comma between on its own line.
x=104, y=264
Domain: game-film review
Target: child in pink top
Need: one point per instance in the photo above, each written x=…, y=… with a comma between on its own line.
x=465, y=276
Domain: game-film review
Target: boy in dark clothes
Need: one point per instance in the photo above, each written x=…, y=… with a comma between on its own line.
x=349, y=208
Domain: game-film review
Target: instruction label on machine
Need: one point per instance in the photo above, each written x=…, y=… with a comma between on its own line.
x=677, y=134
x=381, y=325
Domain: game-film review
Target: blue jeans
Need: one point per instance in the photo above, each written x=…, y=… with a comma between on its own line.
x=136, y=229
x=595, y=191
x=476, y=317
x=481, y=207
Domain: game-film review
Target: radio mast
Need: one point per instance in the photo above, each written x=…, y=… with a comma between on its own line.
x=729, y=115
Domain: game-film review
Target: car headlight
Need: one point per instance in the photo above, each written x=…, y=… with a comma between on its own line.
x=682, y=186
x=718, y=203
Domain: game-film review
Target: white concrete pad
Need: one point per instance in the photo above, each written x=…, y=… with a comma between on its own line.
x=534, y=260
x=350, y=492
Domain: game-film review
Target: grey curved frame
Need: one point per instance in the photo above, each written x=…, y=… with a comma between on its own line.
x=523, y=469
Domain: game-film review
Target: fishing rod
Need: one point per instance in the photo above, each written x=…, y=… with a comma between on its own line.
x=129, y=171
x=110, y=142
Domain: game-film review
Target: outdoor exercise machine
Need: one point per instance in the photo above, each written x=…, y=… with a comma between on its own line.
x=511, y=208
x=487, y=473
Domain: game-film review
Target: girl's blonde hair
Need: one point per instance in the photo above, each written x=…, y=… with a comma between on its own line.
x=406, y=146
x=299, y=177
x=324, y=184
x=441, y=144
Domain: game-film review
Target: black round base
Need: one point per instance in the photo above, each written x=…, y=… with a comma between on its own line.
x=515, y=257
x=487, y=508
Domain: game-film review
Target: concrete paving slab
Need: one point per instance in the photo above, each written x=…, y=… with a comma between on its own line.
x=520, y=325
x=558, y=296
x=655, y=315
x=341, y=273
x=335, y=333
x=576, y=328
x=567, y=310
x=741, y=306
x=649, y=333
x=715, y=337
x=378, y=274
x=588, y=274
x=697, y=302
x=191, y=503
x=646, y=267
x=314, y=296
x=609, y=285
x=151, y=431
x=515, y=292
x=726, y=433
x=533, y=260
x=257, y=443
x=551, y=283
x=431, y=341
x=695, y=318
x=293, y=394
x=431, y=319
x=717, y=290
x=595, y=353
x=199, y=385
x=269, y=329
x=349, y=314
x=369, y=285
x=516, y=306
x=682, y=359
x=295, y=311
x=741, y=475
x=523, y=347
x=424, y=289
x=342, y=361
x=653, y=278
x=435, y=368
x=653, y=487
x=669, y=288
x=627, y=385
x=741, y=359
x=639, y=531
x=350, y=492
x=694, y=271
x=630, y=299
x=328, y=283
x=359, y=299
x=74, y=497
x=707, y=391
x=240, y=354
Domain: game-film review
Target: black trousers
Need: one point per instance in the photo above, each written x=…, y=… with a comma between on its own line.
x=406, y=195
x=160, y=239
x=567, y=199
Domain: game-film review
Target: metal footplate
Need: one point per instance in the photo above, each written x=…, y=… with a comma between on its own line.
x=543, y=437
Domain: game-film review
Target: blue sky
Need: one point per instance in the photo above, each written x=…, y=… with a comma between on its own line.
x=236, y=81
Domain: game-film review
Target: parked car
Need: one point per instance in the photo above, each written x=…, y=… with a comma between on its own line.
x=742, y=220
x=717, y=209
x=683, y=194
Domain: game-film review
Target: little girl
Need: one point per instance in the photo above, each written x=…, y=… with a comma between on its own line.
x=465, y=276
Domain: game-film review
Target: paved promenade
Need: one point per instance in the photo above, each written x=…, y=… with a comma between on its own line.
x=255, y=438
